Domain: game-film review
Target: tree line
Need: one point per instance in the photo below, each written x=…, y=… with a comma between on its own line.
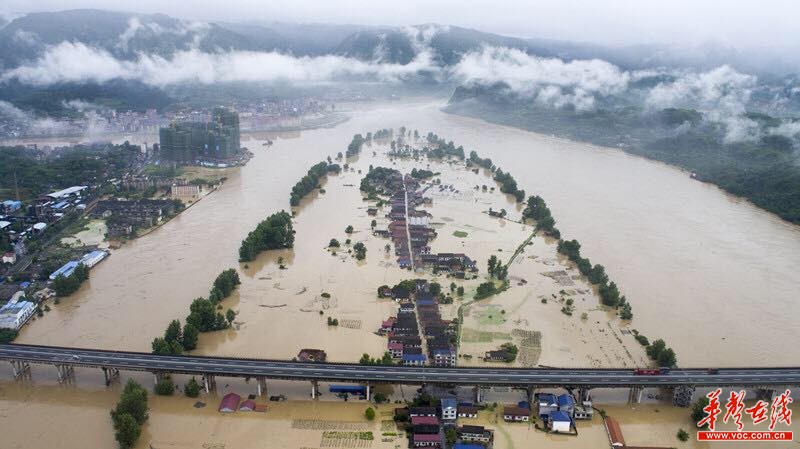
x=355, y=145
x=274, y=232
x=310, y=181
x=203, y=317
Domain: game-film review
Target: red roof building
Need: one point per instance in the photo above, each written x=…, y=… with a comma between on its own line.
x=230, y=403
x=418, y=420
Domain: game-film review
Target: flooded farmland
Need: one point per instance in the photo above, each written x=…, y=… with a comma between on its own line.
x=676, y=260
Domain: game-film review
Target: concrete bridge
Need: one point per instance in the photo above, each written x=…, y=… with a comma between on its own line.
x=582, y=379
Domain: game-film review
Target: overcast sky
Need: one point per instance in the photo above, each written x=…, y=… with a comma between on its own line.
x=738, y=23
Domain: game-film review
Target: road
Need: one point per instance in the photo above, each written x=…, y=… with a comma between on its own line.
x=335, y=372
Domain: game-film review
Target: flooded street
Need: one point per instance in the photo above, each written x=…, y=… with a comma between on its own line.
x=712, y=275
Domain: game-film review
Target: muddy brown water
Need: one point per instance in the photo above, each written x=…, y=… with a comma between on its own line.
x=711, y=274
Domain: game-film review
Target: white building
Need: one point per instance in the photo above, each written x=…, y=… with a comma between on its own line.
x=14, y=314
x=560, y=422
x=93, y=258
x=449, y=409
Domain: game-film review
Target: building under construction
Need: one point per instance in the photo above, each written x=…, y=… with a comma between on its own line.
x=217, y=140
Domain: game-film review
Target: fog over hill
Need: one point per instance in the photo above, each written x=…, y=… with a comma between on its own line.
x=75, y=55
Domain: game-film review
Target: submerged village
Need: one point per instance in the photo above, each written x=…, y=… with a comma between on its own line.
x=399, y=250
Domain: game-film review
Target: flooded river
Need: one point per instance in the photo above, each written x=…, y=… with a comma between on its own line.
x=693, y=261
x=712, y=275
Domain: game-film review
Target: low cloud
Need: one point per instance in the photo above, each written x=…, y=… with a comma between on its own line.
x=549, y=81
x=78, y=62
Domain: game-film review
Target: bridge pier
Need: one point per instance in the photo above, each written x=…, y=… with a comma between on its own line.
x=20, y=367
x=583, y=394
x=765, y=394
x=478, y=397
x=110, y=374
x=262, y=386
x=209, y=383
x=682, y=396
x=313, y=389
x=368, y=396
x=65, y=372
x=635, y=395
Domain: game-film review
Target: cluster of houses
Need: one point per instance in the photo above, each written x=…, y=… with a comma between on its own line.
x=20, y=223
x=559, y=413
x=408, y=227
x=418, y=320
x=458, y=264
x=126, y=215
x=427, y=425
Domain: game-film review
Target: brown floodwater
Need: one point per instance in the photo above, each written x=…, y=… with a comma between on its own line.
x=692, y=260
x=711, y=274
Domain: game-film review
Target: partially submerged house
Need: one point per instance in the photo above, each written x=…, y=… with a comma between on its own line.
x=229, y=403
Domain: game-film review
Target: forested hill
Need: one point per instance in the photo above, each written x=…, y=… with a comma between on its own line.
x=765, y=170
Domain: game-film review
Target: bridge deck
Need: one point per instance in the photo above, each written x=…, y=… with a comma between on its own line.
x=343, y=372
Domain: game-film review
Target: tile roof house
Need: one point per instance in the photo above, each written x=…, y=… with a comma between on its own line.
x=466, y=411
x=474, y=433
x=426, y=419
x=247, y=406
x=229, y=403
x=426, y=440
x=516, y=414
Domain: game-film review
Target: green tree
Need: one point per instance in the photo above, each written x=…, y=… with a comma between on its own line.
x=127, y=430
x=132, y=401
x=192, y=388
x=173, y=332
x=682, y=435
x=230, y=315
x=165, y=387
x=626, y=313
x=360, y=250
x=697, y=409
x=492, y=264
x=369, y=413
x=348, y=229
x=373, y=224
x=460, y=291
x=667, y=358
x=334, y=243
x=434, y=287
x=609, y=294
x=190, y=333
x=450, y=436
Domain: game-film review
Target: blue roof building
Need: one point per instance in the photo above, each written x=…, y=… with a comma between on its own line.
x=414, y=359
x=449, y=408
x=65, y=270
x=566, y=404
x=547, y=403
x=560, y=422
x=467, y=446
